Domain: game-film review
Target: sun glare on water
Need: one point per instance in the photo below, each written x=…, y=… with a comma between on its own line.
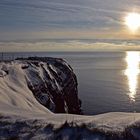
x=132, y=21
x=132, y=72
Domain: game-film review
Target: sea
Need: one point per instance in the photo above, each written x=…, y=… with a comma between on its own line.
x=107, y=81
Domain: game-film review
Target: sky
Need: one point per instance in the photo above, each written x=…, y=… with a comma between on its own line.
x=28, y=25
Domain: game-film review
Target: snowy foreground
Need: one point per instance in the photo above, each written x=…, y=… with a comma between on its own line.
x=23, y=117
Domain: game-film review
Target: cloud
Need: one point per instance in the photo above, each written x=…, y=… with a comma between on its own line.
x=77, y=15
x=70, y=45
x=60, y=14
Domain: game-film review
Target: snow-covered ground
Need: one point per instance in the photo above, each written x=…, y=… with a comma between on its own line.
x=23, y=117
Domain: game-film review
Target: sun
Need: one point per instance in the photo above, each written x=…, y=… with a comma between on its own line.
x=132, y=20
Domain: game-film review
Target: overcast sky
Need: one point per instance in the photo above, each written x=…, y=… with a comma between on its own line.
x=72, y=19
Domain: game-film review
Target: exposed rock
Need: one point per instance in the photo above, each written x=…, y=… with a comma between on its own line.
x=53, y=83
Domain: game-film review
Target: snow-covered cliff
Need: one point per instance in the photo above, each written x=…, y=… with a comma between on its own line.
x=28, y=87
x=52, y=82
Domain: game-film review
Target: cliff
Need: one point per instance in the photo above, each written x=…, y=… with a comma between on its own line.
x=29, y=86
x=52, y=82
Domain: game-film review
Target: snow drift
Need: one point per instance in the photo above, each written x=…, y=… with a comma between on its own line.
x=28, y=87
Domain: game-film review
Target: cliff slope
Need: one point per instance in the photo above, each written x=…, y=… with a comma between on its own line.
x=52, y=82
x=28, y=87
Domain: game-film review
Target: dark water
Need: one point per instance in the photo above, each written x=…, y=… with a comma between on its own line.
x=108, y=81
